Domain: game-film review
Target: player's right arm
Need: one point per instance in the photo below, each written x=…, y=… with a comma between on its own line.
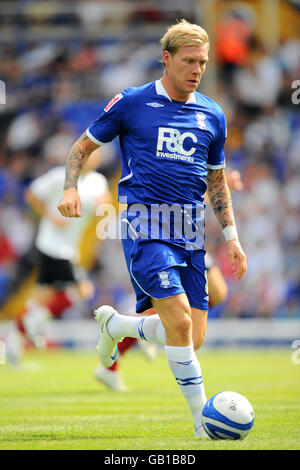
x=70, y=205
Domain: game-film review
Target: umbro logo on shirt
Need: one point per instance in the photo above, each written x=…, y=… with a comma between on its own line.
x=155, y=105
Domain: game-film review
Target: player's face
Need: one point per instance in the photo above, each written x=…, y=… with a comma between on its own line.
x=184, y=69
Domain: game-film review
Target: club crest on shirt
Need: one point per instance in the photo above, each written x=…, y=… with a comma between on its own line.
x=113, y=101
x=201, y=120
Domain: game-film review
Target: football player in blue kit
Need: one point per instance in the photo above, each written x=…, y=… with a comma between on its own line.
x=172, y=142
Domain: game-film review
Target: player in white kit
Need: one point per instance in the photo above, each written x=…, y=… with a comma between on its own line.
x=60, y=279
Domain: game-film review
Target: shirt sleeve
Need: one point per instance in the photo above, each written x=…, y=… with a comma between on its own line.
x=110, y=122
x=216, y=155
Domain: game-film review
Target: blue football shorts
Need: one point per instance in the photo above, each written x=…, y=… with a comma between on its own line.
x=160, y=269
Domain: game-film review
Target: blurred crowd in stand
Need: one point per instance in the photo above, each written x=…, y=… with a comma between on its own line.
x=56, y=85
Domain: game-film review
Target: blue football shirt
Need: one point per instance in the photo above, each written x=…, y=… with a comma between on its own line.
x=166, y=145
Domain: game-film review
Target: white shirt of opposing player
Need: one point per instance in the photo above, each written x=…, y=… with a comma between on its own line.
x=63, y=242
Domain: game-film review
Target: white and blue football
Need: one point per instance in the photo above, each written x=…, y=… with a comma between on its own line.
x=227, y=415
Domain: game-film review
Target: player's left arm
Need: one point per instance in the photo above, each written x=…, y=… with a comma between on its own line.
x=220, y=200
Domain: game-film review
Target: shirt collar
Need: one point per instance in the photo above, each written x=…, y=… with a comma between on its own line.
x=160, y=90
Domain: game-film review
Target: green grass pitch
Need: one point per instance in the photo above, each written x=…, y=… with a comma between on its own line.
x=52, y=402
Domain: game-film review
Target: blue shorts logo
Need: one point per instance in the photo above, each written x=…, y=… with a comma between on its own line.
x=164, y=278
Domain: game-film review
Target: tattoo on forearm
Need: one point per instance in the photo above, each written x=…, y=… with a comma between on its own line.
x=219, y=196
x=75, y=162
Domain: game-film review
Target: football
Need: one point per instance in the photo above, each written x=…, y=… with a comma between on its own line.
x=227, y=415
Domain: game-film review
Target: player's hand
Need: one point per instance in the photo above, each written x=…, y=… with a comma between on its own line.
x=237, y=257
x=234, y=181
x=70, y=205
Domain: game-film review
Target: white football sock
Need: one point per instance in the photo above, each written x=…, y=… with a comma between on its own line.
x=148, y=328
x=187, y=372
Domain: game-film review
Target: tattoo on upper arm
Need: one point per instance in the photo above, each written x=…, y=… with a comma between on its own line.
x=219, y=196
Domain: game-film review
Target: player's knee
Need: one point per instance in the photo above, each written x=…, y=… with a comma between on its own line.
x=179, y=329
x=176, y=317
x=184, y=326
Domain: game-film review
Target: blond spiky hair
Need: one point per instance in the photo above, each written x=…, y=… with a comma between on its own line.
x=181, y=34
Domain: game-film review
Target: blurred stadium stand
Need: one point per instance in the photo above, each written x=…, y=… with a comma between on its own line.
x=61, y=60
